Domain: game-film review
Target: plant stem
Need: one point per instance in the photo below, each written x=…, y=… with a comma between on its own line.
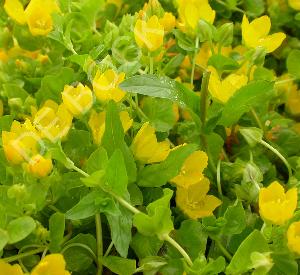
x=224, y=250
x=137, y=108
x=203, y=114
x=99, y=242
x=151, y=64
x=257, y=119
x=276, y=152
x=108, y=249
x=23, y=255
x=194, y=59
x=179, y=248
x=136, y=211
x=219, y=179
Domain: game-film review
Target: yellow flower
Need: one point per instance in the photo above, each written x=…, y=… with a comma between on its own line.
x=97, y=124
x=149, y=34
x=21, y=143
x=293, y=101
x=275, y=205
x=194, y=201
x=77, y=100
x=106, y=86
x=146, y=148
x=53, y=121
x=293, y=236
x=7, y=269
x=192, y=170
x=53, y=264
x=37, y=14
x=295, y=4
x=222, y=90
x=15, y=10
x=168, y=21
x=190, y=12
x=255, y=34
x=39, y=166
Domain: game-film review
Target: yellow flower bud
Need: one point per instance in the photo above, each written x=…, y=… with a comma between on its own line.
x=51, y=264
x=149, y=34
x=190, y=12
x=295, y=4
x=194, y=201
x=222, y=90
x=21, y=143
x=106, y=86
x=293, y=237
x=275, y=205
x=97, y=124
x=39, y=166
x=255, y=34
x=15, y=10
x=168, y=21
x=146, y=148
x=78, y=100
x=7, y=269
x=53, y=121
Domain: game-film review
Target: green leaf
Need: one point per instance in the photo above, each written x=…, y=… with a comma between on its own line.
x=156, y=175
x=173, y=64
x=119, y=265
x=120, y=228
x=5, y=123
x=53, y=85
x=284, y=263
x=20, y=228
x=158, y=221
x=202, y=267
x=191, y=236
x=145, y=246
x=97, y=161
x=253, y=94
x=235, y=219
x=162, y=87
x=252, y=135
x=113, y=139
x=78, y=258
x=223, y=63
x=293, y=63
x=116, y=175
x=90, y=9
x=57, y=230
x=4, y=238
x=254, y=8
x=14, y=91
x=241, y=261
x=160, y=113
x=95, y=202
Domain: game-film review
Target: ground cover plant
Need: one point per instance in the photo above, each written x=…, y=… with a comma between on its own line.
x=158, y=137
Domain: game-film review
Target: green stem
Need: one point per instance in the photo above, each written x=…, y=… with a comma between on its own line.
x=276, y=152
x=99, y=242
x=136, y=211
x=137, y=108
x=219, y=179
x=108, y=249
x=171, y=241
x=224, y=250
x=257, y=119
x=194, y=60
x=203, y=114
x=23, y=255
x=151, y=64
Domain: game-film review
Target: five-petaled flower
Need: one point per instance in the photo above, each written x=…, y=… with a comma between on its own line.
x=255, y=34
x=275, y=205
